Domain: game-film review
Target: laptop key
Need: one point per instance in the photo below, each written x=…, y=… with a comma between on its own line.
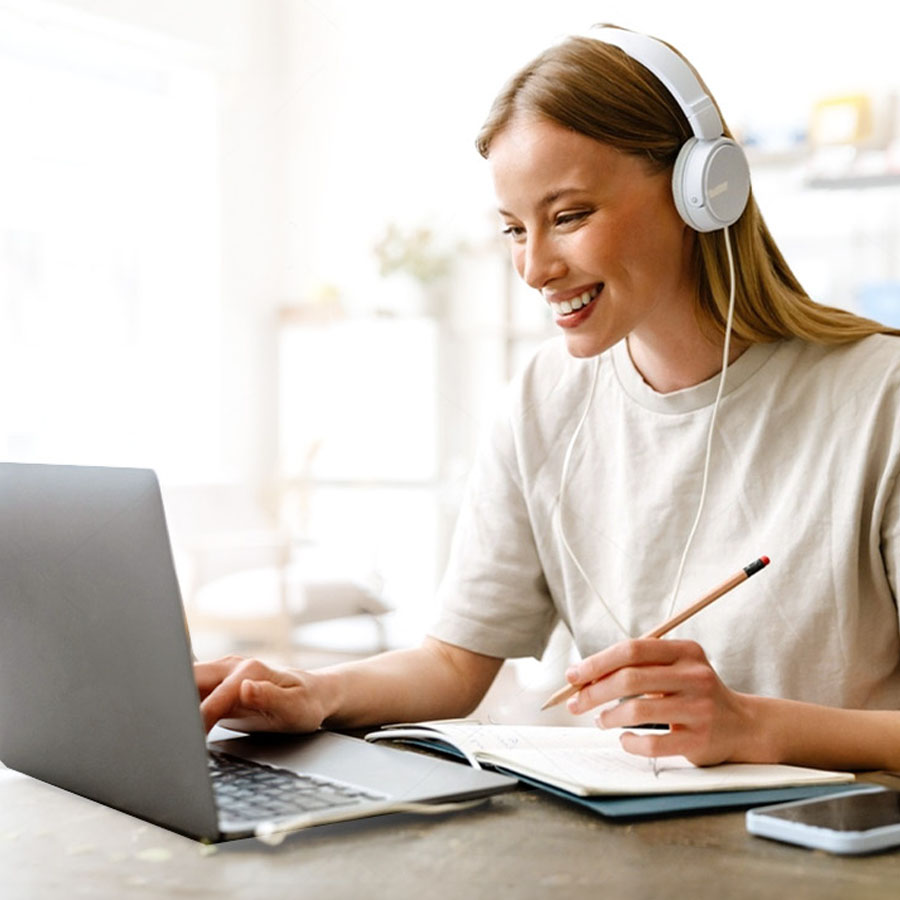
x=248, y=790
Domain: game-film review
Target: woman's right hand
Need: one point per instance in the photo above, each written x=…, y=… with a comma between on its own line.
x=249, y=695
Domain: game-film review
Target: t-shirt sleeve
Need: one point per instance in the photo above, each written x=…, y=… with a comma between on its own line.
x=493, y=598
x=890, y=540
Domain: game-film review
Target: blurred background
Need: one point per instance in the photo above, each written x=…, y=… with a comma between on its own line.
x=249, y=244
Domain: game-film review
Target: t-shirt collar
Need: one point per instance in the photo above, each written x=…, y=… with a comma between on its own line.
x=691, y=398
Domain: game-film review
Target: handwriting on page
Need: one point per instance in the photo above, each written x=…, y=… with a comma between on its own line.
x=604, y=770
x=591, y=761
x=582, y=755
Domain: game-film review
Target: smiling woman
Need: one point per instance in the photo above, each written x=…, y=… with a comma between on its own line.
x=593, y=89
x=582, y=497
x=593, y=225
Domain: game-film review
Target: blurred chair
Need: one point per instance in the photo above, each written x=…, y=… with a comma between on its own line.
x=255, y=588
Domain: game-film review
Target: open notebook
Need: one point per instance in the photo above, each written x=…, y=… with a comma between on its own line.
x=590, y=762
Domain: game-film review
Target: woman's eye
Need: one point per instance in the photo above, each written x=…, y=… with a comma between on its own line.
x=513, y=231
x=572, y=217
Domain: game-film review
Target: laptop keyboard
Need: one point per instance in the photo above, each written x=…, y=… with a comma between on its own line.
x=247, y=790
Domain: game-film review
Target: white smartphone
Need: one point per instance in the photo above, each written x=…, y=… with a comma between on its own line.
x=860, y=821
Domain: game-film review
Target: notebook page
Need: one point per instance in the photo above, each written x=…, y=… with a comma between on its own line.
x=590, y=761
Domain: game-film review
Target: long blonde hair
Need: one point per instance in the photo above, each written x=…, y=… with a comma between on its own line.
x=597, y=90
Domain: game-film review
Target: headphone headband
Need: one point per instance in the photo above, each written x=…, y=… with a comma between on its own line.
x=673, y=72
x=710, y=177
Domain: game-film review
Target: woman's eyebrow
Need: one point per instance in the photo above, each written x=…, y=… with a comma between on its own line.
x=550, y=198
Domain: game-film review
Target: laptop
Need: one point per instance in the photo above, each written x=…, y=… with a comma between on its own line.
x=97, y=694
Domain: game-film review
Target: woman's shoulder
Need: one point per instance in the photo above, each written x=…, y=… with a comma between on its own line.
x=868, y=367
x=879, y=352
x=886, y=346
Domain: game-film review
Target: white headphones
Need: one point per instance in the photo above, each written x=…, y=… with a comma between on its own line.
x=711, y=178
x=710, y=184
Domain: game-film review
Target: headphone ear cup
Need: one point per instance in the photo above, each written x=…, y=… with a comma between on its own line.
x=678, y=187
x=710, y=183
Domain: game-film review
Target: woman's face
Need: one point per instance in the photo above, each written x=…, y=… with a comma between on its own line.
x=596, y=232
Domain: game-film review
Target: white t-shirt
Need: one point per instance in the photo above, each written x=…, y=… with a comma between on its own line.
x=805, y=458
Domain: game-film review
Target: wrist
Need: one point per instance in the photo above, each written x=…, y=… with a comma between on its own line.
x=325, y=691
x=761, y=735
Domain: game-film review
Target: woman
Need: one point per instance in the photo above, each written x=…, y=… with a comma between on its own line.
x=584, y=503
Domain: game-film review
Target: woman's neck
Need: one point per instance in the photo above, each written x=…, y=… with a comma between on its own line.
x=672, y=364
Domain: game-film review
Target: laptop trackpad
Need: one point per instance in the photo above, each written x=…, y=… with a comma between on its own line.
x=403, y=775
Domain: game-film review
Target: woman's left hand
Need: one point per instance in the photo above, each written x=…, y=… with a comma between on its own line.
x=671, y=682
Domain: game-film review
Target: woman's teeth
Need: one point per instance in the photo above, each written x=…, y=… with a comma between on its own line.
x=576, y=303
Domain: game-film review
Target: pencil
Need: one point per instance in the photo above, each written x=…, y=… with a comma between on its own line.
x=570, y=689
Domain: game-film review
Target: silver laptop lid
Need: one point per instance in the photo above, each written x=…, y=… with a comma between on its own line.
x=96, y=686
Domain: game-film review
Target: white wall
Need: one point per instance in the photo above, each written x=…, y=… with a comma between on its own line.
x=339, y=116
x=240, y=41
x=399, y=89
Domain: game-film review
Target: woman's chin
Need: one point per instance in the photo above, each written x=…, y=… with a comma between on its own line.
x=583, y=346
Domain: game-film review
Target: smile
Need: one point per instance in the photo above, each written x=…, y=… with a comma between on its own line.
x=573, y=304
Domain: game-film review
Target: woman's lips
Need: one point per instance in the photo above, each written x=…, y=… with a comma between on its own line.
x=572, y=312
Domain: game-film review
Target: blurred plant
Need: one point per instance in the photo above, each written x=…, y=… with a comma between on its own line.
x=412, y=252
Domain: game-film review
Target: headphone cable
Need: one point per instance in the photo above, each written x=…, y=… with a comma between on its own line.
x=712, y=422
x=705, y=481
x=559, y=502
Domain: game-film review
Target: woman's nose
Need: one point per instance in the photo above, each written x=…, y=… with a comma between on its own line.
x=540, y=262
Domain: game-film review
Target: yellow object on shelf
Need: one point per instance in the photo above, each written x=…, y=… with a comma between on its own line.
x=843, y=119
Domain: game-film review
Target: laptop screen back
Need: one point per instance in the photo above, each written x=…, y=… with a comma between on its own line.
x=96, y=687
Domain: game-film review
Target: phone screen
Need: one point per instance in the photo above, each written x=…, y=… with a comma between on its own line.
x=852, y=812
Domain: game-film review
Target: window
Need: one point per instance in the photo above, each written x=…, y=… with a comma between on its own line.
x=109, y=299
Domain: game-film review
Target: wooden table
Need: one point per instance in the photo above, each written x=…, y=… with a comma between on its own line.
x=523, y=844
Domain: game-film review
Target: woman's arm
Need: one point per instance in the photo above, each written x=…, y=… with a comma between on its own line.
x=435, y=680
x=827, y=737
x=672, y=681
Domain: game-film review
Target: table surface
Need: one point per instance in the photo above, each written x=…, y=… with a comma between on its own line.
x=522, y=844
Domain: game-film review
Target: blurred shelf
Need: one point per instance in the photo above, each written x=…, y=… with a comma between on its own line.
x=853, y=182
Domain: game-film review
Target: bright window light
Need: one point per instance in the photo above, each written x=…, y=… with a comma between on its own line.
x=109, y=247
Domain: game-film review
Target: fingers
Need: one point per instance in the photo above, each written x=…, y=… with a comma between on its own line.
x=671, y=682
x=287, y=702
x=699, y=746
x=622, y=685
x=220, y=684
x=638, y=652
x=251, y=696
x=680, y=710
x=632, y=668
x=210, y=675
x=269, y=702
x=677, y=742
x=257, y=708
